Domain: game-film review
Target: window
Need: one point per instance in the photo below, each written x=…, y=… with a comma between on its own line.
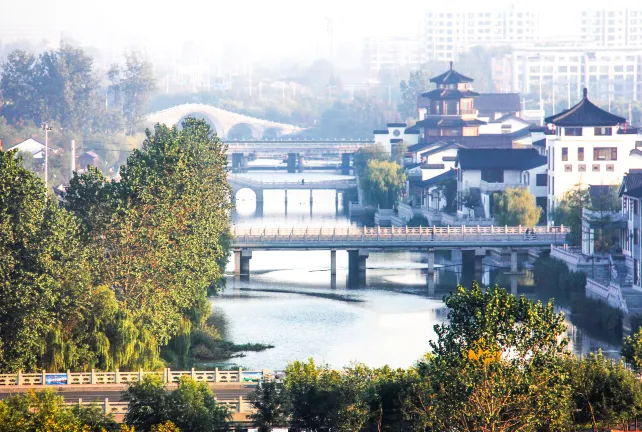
x=565, y=154
x=580, y=154
x=603, y=131
x=541, y=180
x=610, y=168
x=581, y=168
x=605, y=154
x=573, y=131
x=596, y=168
x=568, y=168
x=492, y=175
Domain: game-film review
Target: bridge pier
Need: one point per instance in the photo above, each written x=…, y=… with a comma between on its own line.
x=311, y=199
x=345, y=163
x=357, y=267
x=333, y=262
x=286, y=200
x=242, y=259
x=237, y=161
x=259, y=196
x=514, y=268
x=301, y=163
x=431, y=262
x=471, y=261
x=292, y=160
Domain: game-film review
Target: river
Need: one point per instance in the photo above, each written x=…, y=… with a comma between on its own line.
x=292, y=302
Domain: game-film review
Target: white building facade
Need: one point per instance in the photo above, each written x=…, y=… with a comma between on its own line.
x=612, y=27
x=589, y=146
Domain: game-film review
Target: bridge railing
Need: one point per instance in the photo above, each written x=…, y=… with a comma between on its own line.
x=117, y=377
x=287, y=234
x=233, y=405
x=258, y=183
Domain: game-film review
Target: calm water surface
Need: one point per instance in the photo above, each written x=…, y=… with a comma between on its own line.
x=292, y=302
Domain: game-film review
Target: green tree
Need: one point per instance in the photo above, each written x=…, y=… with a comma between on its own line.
x=18, y=87
x=267, y=401
x=132, y=87
x=365, y=154
x=497, y=363
x=632, y=350
x=193, y=408
x=382, y=182
x=568, y=212
x=148, y=403
x=418, y=83
x=605, y=392
x=471, y=200
x=516, y=206
x=168, y=426
x=45, y=411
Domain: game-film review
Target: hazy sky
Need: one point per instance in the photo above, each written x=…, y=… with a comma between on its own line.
x=274, y=28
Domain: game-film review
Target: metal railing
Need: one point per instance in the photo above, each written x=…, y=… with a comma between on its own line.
x=167, y=375
x=284, y=184
x=406, y=234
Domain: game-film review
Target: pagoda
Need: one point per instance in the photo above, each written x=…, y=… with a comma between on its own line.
x=451, y=109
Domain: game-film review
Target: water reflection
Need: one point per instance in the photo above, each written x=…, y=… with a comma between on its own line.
x=294, y=303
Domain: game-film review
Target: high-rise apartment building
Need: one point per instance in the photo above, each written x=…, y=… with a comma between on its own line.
x=391, y=53
x=616, y=27
x=448, y=33
x=609, y=73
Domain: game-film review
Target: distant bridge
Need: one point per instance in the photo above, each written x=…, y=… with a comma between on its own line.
x=222, y=121
x=297, y=145
x=239, y=182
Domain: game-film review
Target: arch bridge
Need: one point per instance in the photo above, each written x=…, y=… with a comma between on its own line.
x=225, y=123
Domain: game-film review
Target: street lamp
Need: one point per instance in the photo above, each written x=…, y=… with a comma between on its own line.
x=47, y=128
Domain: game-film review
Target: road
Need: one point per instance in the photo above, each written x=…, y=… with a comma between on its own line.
x=114, y=392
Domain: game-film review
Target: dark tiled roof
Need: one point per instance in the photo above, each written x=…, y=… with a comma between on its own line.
x=422, y=145
x=598, y=191
x=448, y=122
x=632, y=185
x=500, y=158
x=412, y=131
x=451, y=76
x=411, y=165
x=585, y=113
x=449, y=94
x=535, y=128
x=540, y=143
x=498, y=102
x=508, y=116
x=396, y=140
x=403, y=125
x=380, y=131
x=450, y=174
x=629, y=131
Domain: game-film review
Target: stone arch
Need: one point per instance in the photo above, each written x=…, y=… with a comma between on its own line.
x=214, y=123
x=258, y=194
x=272, y=132
x=245, y=131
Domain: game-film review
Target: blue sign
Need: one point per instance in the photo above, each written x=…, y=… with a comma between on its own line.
x=56, y=379
x=252, y=377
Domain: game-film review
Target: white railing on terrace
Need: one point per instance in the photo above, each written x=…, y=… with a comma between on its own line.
x=99, y=378
x=459, y=233
x=235, y=405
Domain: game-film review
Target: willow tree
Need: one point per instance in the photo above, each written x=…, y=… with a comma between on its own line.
x=516, y=206
x=382, y=182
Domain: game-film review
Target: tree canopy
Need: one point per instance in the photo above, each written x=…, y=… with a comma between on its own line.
x=516, y=206
x=382, y=182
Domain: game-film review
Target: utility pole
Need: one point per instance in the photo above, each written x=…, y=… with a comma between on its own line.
x=47, y=128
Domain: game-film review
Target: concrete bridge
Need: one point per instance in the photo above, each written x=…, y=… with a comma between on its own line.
x=238, y=182
x=225, y=123
x=474, y=242
x=296, y=145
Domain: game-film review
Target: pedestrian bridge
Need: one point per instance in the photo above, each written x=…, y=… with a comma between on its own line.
x=473, y=241
x=240, y=182
x=294, y=145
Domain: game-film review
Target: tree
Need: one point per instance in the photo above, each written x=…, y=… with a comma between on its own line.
x=267, y=401
x=168, y=426
x=382, y=182
x=605, y=392
x=45, y=411
x=497, y=364
x=447, y=191
x=568, y=212
x=632, y=350
x=132, y=87
x=418, y=83
x=193, y=407
x=471, y=200
x=18, y=87
x=516, y=206
x=147, y=403
x=365, y=154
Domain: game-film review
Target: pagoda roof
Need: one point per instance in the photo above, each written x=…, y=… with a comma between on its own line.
x=585, y=113
x=449, y=94
x=632, y=184
x=451, y=77
x=448, y=122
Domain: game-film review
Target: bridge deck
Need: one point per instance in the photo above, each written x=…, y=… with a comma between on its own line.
x=405, y=238
x=341, y=184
